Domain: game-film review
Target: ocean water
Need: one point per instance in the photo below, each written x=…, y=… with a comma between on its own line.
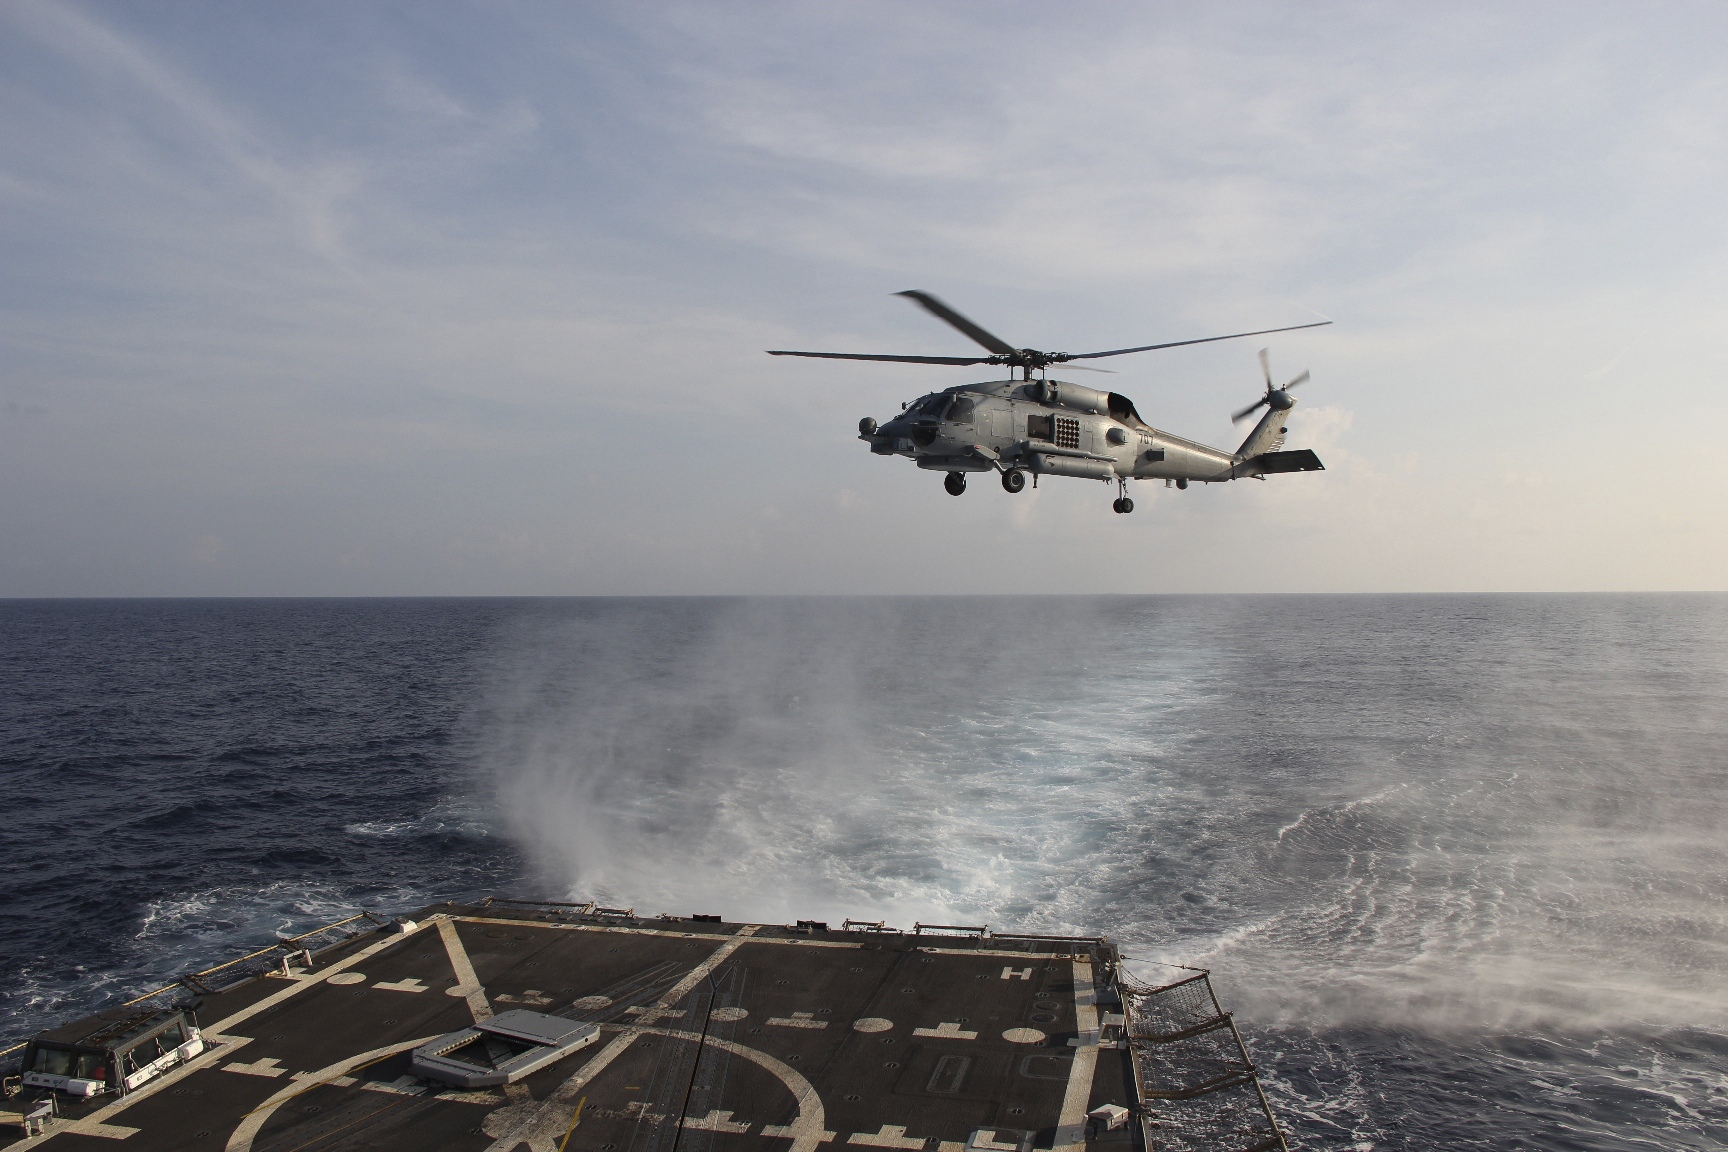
x=1457, y=863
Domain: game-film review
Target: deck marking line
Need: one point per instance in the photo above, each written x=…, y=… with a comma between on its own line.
x=700, y=973
x=467, y=982
x=1071, y=1126
x=300, y=985
x=253, y=1122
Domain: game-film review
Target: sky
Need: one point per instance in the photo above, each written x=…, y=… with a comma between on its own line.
x=471, y=299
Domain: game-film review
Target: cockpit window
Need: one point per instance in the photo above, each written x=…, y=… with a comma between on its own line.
x=930, y=405
x=961, y=411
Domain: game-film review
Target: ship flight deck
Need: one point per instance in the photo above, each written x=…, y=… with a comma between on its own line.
x=712, y=1037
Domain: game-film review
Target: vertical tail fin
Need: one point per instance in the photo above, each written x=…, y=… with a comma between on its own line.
x=1268, y=435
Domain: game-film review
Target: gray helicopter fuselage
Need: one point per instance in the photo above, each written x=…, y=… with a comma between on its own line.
x=1054, y=428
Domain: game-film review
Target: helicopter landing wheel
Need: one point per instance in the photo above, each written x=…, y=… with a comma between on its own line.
x=955, y=482
x=1121, y=505
x=1013, y=480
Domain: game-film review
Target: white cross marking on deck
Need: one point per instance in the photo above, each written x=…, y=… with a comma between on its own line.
x=84, y=1127
x=649, y=1015
x=338, y=1082
x=401, y=1086
x=790, y=1132
x=268, y=1066
x=798, y=1020
x=891, y=1136
x=1011, y=973
x=715, y=1121
x=411, y=984
x=947, y=1032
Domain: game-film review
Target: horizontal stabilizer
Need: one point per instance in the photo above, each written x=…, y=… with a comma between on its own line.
x=1302, y=460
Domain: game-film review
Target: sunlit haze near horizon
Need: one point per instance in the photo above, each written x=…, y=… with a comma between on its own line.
x=472, y=299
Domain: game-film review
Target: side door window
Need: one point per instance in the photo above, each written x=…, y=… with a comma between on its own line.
x=53, y=1062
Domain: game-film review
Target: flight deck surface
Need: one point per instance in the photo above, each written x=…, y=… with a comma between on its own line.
x=714, y=1037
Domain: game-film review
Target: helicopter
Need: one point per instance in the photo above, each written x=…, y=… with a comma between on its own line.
x=1040, y=426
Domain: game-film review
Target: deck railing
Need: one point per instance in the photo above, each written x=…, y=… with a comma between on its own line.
x=1198, y=1088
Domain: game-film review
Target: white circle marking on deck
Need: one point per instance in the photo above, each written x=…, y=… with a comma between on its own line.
x=347, y=978
x=872, y=1024
x=1023, y=1036
x=589, y=1003
x=725, y=1014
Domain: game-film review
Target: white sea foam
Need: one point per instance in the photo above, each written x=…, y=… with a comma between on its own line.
x=1486, y=863
x=772, y=767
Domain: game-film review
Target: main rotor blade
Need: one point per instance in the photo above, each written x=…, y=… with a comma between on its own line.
x=1266, y=366
x=895, y=359
x=1087, y=368
x=1238, y=417
x=942, y=312
x=1183, y=343
x=1302, y=379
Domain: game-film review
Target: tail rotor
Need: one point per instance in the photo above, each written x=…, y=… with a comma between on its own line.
x=1278, y=398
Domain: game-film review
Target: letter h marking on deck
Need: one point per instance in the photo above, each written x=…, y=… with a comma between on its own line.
x=1011, y=972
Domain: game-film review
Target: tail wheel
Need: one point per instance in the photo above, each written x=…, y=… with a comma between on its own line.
x=1013, y=480
x=955, y=482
